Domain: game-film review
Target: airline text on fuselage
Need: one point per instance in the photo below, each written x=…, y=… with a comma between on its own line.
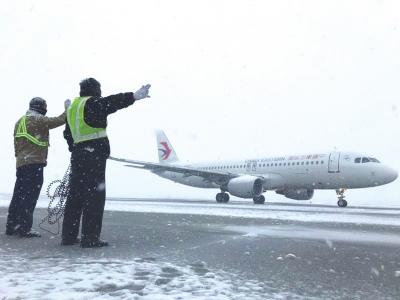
x=295, y=157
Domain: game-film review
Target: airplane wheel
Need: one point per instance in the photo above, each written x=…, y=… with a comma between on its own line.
x=259, y=200
x=342, y=203
x=219, y=197
x=225, y=197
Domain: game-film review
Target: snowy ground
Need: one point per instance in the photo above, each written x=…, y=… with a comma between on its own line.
x=298, y=211
x=34, y=276
x=303, y=213
x=85, y=278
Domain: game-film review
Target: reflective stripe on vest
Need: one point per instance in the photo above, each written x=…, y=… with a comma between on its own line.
x=79, y=129
x=22, y=132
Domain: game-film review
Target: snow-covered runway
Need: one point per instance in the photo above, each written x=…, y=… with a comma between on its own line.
x=192, y=250
x=84, y=278
x=302, y=212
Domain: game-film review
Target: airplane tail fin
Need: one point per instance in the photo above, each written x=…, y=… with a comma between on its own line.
x=166, y=154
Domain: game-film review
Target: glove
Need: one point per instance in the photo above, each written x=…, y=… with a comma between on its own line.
x=67, y=103
x=143, y=92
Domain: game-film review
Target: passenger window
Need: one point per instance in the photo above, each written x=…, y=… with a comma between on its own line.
x=312, y=162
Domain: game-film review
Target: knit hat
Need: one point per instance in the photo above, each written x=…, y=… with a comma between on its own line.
x=39, y=105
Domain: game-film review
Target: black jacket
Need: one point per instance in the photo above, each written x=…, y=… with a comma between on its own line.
x=95, y=114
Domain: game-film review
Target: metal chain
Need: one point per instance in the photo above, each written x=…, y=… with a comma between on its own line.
x=61, y=191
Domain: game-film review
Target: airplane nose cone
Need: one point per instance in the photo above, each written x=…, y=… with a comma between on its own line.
x=390, y=175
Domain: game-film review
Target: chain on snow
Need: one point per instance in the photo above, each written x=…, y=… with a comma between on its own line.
x=61, y=191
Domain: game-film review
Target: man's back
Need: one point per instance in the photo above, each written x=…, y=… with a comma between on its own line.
x=38, y=126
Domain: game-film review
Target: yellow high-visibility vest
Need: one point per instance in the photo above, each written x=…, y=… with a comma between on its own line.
x=22, y=132
x=80, y=130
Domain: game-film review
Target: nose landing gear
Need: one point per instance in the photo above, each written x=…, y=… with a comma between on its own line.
x=341, y=202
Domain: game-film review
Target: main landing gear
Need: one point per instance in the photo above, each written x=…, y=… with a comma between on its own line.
x=341, y=202
x=259, y=200
x=222, y=197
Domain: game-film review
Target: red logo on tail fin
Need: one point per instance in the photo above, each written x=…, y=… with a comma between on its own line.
x=166, y=152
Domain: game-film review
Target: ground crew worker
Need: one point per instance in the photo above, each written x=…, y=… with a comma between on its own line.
x=86, y=135
x=31, y=142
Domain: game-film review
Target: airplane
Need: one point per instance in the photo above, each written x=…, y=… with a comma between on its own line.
x=295, y=176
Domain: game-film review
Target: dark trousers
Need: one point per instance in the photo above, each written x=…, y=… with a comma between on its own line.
x=26, y=193
x=87, y=195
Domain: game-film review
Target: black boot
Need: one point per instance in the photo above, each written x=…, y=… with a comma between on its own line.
x=67, y=242
x=93, y=243
x=10, y=232
x=27, y=234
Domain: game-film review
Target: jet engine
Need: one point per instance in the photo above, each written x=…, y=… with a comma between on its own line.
x=297, y=194
x=245, y=186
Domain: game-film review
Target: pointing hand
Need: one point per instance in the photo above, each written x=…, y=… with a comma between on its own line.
x=143, y=92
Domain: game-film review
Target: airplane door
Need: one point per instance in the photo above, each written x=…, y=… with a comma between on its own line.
x=248, y=166
x=254, y=166
x=333, y=164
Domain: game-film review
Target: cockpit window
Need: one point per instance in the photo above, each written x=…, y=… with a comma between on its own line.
x=357, y=160
x=374, y=160
x=366, y=159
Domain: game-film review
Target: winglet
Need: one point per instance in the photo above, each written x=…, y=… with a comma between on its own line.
x=166, y=154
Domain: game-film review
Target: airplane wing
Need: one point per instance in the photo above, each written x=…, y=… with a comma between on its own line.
x=208, y=176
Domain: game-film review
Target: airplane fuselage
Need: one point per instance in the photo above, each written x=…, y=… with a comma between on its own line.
x=295, y=176
x=330, y=170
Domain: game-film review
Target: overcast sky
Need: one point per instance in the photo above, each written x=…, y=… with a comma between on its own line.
x=229, y=79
